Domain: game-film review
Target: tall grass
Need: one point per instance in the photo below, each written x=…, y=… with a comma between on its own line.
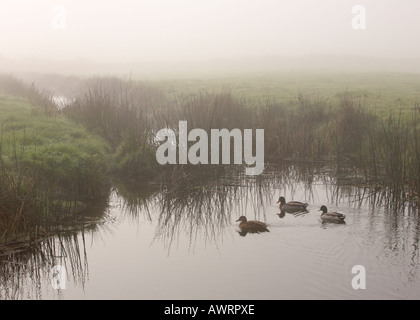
x=120, y=112
x=394, y=155
x=340, y=130
x=42, y=99
x=294, y=130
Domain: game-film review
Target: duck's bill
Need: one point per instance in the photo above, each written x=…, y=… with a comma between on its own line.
x=278, y=201
x=237, y=220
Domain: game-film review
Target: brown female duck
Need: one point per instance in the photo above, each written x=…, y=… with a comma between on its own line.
x=252, y=225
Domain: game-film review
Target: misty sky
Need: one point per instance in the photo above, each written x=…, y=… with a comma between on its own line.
x=174, y=30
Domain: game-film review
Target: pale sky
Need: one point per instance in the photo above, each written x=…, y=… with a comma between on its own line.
x=176, y=30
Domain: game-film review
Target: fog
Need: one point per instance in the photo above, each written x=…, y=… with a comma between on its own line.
x=158, y=35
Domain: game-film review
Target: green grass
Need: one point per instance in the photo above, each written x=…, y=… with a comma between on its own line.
x=380, y=92
x=60, y=149
x=50, y=168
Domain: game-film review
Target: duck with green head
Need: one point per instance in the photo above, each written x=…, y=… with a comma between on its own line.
x=292, y=206
x=252, y=225
x=331, y=216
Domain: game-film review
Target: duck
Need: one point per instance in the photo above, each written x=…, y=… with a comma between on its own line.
x=252, y=226
x=331, y=216
x=292, y=206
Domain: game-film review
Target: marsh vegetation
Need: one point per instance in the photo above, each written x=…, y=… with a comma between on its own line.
x=58, y=165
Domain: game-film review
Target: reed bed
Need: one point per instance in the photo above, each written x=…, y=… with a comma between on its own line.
x=341, y=130
x=121, y=113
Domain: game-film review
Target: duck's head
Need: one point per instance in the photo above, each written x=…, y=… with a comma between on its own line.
x=242, y=219
x=323, y=209
x=281, y=200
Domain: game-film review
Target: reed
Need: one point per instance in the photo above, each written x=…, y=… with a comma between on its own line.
x=121, y=113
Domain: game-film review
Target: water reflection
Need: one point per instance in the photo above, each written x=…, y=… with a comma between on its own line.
x=338, y=222
x=295, y=213
x=209, y=207
x=24, y=274
x=244, y=232
x=202, y=212
x=26, y=270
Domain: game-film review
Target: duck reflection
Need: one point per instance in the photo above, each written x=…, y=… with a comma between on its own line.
x=325, y=224
x=243, y=232
x=282, y=213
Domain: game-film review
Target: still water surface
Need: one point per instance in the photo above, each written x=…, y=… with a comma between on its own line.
x=157, y=245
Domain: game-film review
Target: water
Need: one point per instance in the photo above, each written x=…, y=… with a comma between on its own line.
x=61, y=102
x=179, y=244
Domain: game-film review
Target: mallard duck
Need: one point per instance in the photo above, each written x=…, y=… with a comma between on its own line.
x=331, y=216
x=252, y=225
x=292, y=206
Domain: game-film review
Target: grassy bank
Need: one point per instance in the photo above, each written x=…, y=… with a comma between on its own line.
x=49, y=167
